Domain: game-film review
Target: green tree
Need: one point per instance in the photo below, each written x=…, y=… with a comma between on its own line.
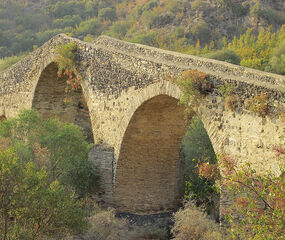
x=198, y=149
x=226, y=55
x=277, y=61
x=92, y=26
x=66, y=157
x=202, y=32
x=107, y=14
x=32, y=206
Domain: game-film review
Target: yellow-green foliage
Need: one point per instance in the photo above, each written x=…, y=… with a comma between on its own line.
x=277, y=61
x=67, y=62
x=231, y=100
x=194, y=86
x=256, y=52
x=9, y=61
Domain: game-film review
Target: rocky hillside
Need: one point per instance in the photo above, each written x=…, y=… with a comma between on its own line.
x=26, y=23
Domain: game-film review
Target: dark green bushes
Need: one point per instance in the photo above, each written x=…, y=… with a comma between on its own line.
x=31, y=205
x=44, y=168
x=64, y=149
x=226, y=55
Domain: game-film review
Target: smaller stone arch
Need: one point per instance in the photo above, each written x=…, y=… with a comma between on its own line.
x=49, y=100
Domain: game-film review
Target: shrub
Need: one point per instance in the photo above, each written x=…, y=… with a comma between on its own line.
x=92, y=26
x=44, y=36
x=172, y=6
x=202, y=32
x=268, y=14
x=277, y=61
x=231, y=102
x=67, y=21
x=194, y=87
x=256, y=51
x=58, y=146
x=150, y=5
x=89, y=38
x=226, y=55
x=104, y=225
x=226, y=90
x=32, y=206
x=199, y=5
x=150, y=39
x=259, y=104
x=119, y=29
x=258, y=208
x=198, y=149
x=161, y=20
x=67, y=62
x=9, y=61
x=192, y=223
x=107, y=14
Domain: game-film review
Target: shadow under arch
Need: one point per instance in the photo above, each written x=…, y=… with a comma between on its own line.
x=2, y=118
x=150, y=170
x=49, y=101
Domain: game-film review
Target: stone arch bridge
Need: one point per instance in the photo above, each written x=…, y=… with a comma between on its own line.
x=128, y=107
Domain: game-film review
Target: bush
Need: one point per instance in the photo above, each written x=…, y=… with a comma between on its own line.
x=58, y=146
x=202, y=32
x=226, y=55
x=67, y=60
x=199, y=5
x=91, y=26
x=198, y=149
x=258, y=208
x=150, y=39
x=277, y=61
x=197, y=145
x=106, y=226
x=259, y=104
x=161, y=20
x=268, y=14
x=194, y=87
x=150, y=5
x=231, y=102
x=32, y=206
x=192, y=223
x=67, y=21
x=106, y=14
x=9, y=61
x=119, y=29
x=44, y=36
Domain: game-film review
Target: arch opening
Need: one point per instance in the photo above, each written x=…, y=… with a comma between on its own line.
x=2, y=118
x=150, y=169
x=49, y=101
x=198, y=149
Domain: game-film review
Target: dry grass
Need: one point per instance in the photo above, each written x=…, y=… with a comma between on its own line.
x=193, y=224
x=104, y=225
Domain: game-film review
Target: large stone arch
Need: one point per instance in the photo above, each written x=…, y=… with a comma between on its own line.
x=49, y=100
x=149, y=174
